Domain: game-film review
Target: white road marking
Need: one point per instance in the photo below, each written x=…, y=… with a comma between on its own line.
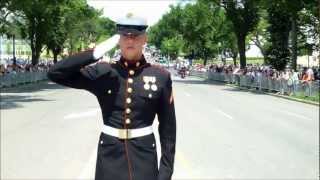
x=88, y=171
x=297, y=115
x=223, y=113
x=82, y=114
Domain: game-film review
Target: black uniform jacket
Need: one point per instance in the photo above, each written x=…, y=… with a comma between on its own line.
x=130, y=95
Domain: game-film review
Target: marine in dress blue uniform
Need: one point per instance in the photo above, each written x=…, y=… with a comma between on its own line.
x=130, y=93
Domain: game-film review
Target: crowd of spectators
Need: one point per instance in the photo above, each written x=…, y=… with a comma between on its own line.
x=303, y=74
x=10, y=68
x=289, y=79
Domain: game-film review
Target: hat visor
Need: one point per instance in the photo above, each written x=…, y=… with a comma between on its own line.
x=133, y=32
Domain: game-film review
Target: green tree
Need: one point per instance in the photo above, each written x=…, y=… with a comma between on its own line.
x=168, y=27
x=244, y=16
x=69, y=14
x=302, y=18
x=54, y=24
x=85, y=25
x=9, y=20
x=57, y=33
x=200, y=29
x=308, y=24
x=260, y=35
x=278, y=53
x=172, y=47
x=166, y=35
x=33, y=24
x=230, y=45
x=8, y=17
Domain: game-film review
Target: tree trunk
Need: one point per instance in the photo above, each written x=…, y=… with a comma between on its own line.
x=55, y=57
x=260, y=46
x=14, y=49
x=294, y=42
x=242, y=50
x=223, y=59
x=234, y=57
x=35, y=57
x=234, y=61
x=35, y=54
x=205, y=58
x=205, y=61
x=36, y=50
x=33, y=51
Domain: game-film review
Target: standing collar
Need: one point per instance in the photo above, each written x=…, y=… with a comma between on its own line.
x=132, y=64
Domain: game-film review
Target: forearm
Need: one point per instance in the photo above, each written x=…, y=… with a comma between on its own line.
x=70, y=66
x=167, y=159
x=167, y=133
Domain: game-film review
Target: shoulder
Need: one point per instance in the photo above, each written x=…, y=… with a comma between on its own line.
x=96, y=70
x=159, y=70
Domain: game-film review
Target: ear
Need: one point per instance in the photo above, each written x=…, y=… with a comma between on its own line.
x=145, y=38
x=118, y=43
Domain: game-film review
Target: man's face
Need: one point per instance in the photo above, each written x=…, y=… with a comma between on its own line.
x=131, y=46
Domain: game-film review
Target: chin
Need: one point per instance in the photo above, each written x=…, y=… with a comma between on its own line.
x=130, y=56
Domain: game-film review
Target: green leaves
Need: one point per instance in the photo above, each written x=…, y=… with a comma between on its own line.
x=54, y=24
x=194, y=29
x=173, y=46
x=244, y=17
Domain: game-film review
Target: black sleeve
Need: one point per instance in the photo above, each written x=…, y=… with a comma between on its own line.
x=74, y=72
x=167, y=132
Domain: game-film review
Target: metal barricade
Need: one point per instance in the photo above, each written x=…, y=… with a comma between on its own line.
x=264, y=83
x=13, y=79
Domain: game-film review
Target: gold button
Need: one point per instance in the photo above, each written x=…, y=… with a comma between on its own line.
x=128, y=110
x=137, y=64
x=130, y=80
x=128, y=100
x=109, y=91
x=131, y=72
x=129, y=90
x=150, y=95
x=126, y=64
x=128, y=121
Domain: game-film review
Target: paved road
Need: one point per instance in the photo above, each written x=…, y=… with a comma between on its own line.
x=51, y=132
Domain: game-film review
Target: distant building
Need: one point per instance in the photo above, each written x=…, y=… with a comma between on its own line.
x=22, y=48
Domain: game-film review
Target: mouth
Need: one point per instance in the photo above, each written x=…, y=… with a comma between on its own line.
x=130, y=48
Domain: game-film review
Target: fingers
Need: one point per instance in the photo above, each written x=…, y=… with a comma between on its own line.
x=105, y=46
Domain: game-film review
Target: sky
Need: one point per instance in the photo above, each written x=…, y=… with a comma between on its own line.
x=151, y=10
